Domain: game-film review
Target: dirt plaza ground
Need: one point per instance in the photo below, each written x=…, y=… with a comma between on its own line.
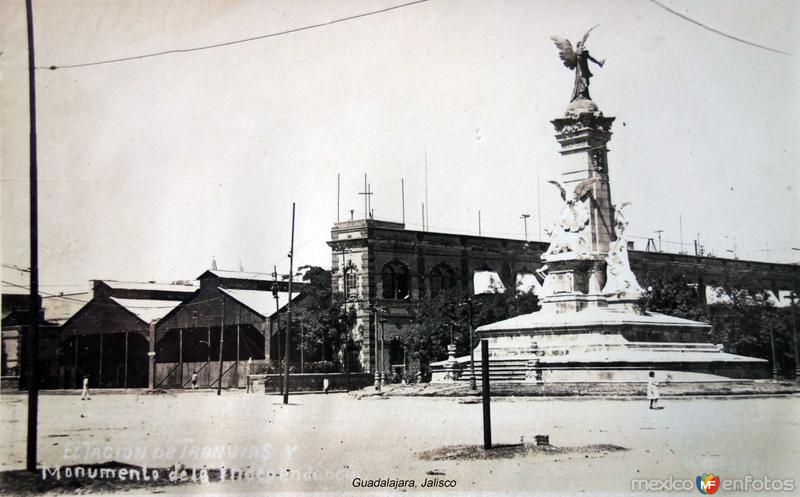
x=323, y=443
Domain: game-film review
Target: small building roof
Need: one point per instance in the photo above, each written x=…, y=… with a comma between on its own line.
x=147, y=310
x=244, y=275
x=262, y=302
x=190, y=287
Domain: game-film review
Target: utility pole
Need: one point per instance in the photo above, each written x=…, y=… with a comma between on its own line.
x=289, y=315
x=524, y=218
x=221, y=344
x=660, y=247
x=33, y=302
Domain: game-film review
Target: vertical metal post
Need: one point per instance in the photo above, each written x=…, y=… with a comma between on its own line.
x=383, y=353
x=374, y=322
x=33, y=302
x=208, y=355
x=487, y=418
x=221, y=344
x=289, y=317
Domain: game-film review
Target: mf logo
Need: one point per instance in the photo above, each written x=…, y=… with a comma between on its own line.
x=707, y=483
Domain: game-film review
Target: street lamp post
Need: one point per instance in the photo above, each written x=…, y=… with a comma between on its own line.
x=383, y=354
x=774, y=359
x=793, y=297
x=374, y=313
x=472, y=384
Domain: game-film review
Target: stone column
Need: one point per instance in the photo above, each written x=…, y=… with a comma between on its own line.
x=583, y=139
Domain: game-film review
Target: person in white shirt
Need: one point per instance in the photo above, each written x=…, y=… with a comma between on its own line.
x=652, y=390
x=85, y=393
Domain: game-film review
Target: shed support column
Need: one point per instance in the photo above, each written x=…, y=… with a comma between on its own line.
x=151, y=358
x=77, y=348
x=180, y=358
x=125, y=377
x=267, y=331
x=100, y=373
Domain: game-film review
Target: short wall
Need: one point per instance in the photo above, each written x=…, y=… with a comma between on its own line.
x=307, y=382
x=168, y=374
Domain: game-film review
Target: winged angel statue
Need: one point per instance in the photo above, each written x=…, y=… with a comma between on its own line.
x=578, y=60
x=568, y=235
x=620, y=280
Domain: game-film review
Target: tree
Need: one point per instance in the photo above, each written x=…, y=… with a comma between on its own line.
x=444, y=318
x=674, y=294
x=742, y=315
x=322, y=319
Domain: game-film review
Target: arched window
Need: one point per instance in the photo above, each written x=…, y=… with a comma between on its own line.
x=395, y=280
x=350, y=282
x=441, y=277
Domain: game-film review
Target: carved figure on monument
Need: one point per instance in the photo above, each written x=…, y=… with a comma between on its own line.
x=620, y=280
x=568, y=235
x=577, y=59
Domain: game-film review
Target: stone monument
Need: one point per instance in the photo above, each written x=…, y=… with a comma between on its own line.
x=592, y=325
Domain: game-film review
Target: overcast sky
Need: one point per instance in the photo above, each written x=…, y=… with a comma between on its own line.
x=150, y=167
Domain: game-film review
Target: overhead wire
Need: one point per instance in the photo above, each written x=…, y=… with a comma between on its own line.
x=233, y=42
x=717, y=31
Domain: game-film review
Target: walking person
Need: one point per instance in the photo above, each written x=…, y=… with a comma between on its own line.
x=652, y=390
x=326, y=384
x=85, y=393
x=194, y=380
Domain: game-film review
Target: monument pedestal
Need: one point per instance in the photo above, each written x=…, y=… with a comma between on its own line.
x=592, y=326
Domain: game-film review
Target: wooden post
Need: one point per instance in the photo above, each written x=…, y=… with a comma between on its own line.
x=125, y=379
x=487, y=419
x=238, y=318
x=221, y=346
